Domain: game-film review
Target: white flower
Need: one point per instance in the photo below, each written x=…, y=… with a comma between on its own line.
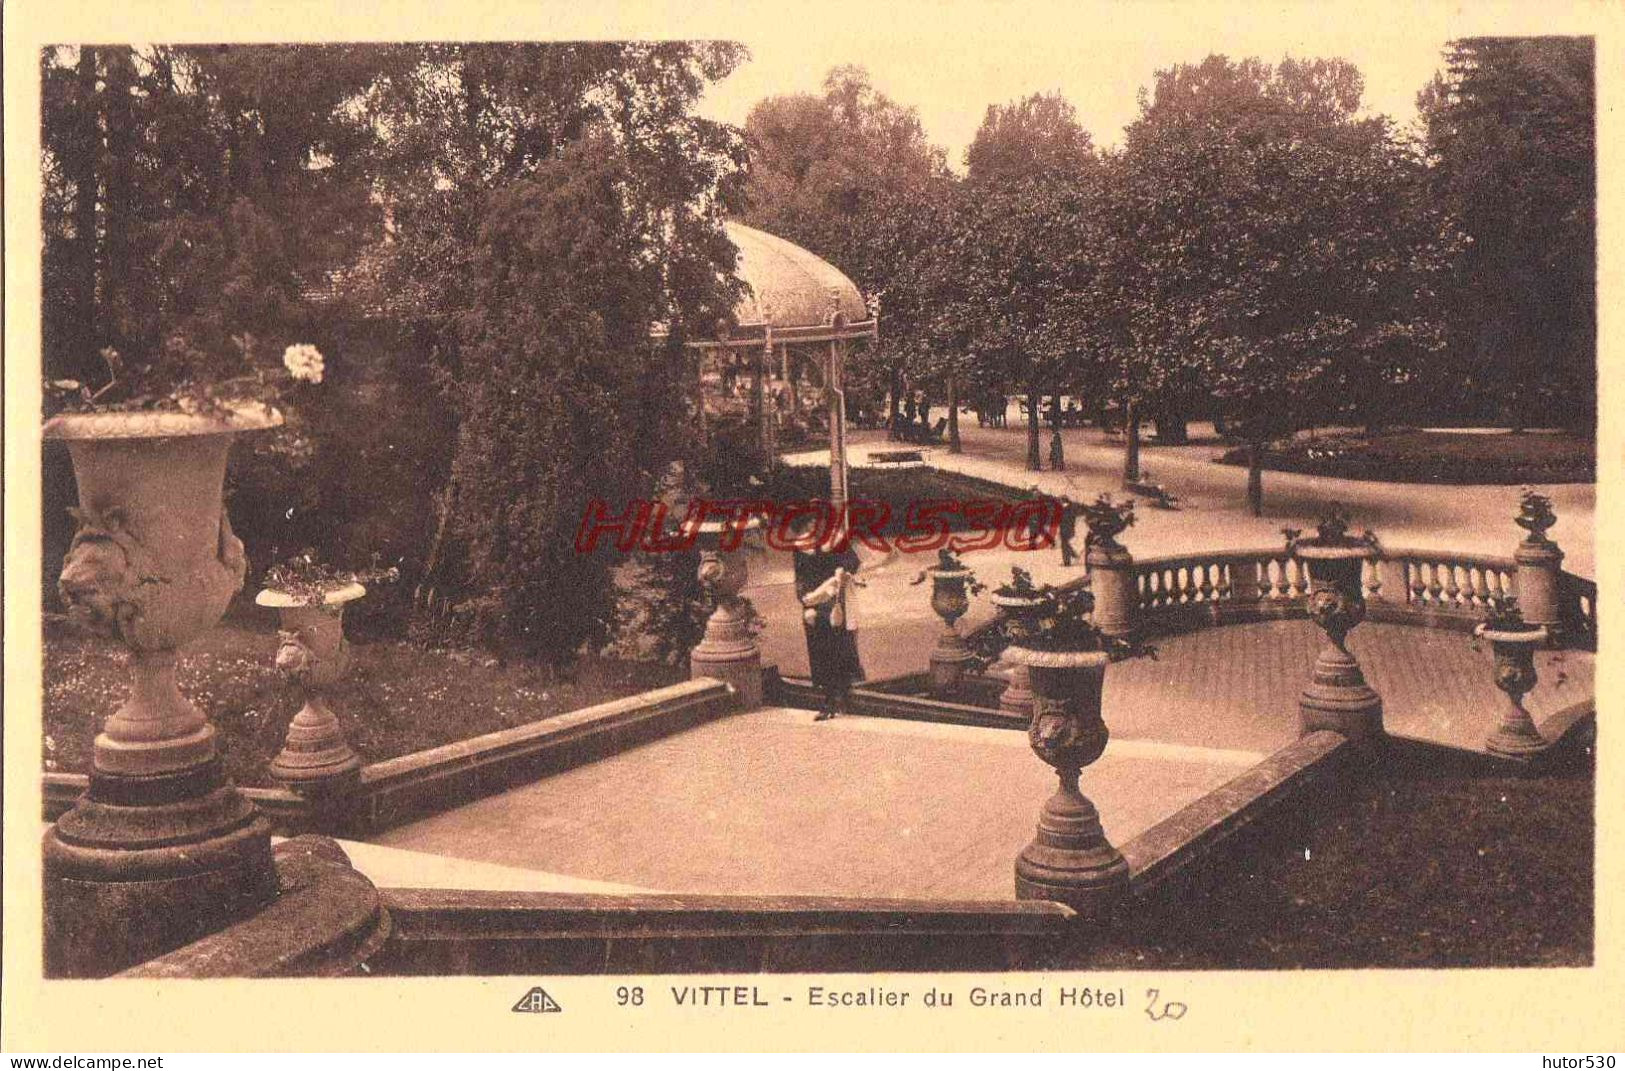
x=304, y=361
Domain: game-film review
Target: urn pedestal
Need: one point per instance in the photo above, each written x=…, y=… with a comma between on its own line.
x=1111, y=582
x=1540, y=565
x=161, y=850
x=950, y=601
x=1020, y=613
x=1069, y=860
x=1516, y=736
x=1337, y=696
x=728, y=652
x=316, y=759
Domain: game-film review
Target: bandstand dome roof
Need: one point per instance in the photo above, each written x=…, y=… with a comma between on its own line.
x=792, y=291
x=789, y=287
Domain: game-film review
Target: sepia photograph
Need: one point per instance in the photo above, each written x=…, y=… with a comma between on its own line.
x=814, y=515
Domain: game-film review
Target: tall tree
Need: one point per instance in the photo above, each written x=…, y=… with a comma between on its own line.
x=1510, y=129
x=1023, y=246
x=551, y=202
x=1275, y=252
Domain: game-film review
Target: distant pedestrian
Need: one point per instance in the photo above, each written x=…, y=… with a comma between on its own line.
x=1070, y=512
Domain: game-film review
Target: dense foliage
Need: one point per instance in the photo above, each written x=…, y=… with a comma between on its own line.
x=478, y=237
x=1511, y=132
x=500, y=222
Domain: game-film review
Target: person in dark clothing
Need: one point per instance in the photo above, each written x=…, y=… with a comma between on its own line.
x=822, y=575
x=1070, y=512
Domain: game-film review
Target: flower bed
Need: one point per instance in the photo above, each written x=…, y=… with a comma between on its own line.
x=398, y=698
x=1434, y=457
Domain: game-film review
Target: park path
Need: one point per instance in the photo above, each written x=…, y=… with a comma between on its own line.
x=1213, y=510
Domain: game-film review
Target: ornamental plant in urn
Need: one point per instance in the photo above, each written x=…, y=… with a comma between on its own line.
x=1021, y=605
x=161, y=850
x=1110, y=565
x=311, y=651
x=1513, y=641
x=1069, y=860
x=952, y=584
x=1337, y=696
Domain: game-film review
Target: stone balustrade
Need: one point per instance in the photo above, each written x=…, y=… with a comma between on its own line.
x=1447, y=589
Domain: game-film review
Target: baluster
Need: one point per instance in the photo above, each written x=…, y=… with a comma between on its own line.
x=1300, y=579
x=1418, y=580
x=1207, y=581
x=1283, y=583
x=1452, y=589
x=1434, y=586
x=1478, y=576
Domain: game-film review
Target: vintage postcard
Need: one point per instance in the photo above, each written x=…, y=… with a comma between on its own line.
x=894, y=527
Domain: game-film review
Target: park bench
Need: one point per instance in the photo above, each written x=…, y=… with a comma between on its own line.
x=1154, y=493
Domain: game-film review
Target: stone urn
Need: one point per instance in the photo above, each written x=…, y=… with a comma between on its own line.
x=1069, y=860
x=728, y=651
x=950, y=599
x=312, y=652
x=161, y=850
x=1019, y=615
x=1337, y=696
x=1514, y=647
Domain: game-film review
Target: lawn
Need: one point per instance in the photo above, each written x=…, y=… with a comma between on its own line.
x=1424, y=863
x=1443, y=457
x=398, y=697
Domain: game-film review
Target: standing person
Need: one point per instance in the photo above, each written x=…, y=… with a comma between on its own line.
x=823, y=575
x=1070, y=511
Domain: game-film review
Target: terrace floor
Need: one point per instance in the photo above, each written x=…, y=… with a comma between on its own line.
x=772, y=802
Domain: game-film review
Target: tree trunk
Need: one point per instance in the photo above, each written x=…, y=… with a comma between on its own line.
x=893, y=417
x=954, y=446
x=1255, y=477
x=1057, y=451
x=1172, y=430
x=82, y=336
x=1033, y=462
x=1131, y=444
x=118, y=207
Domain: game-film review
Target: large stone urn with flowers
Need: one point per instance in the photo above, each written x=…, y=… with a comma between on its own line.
x=1337, y=696
x=162, y=849
x=1069, y=860
x=952, y=585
